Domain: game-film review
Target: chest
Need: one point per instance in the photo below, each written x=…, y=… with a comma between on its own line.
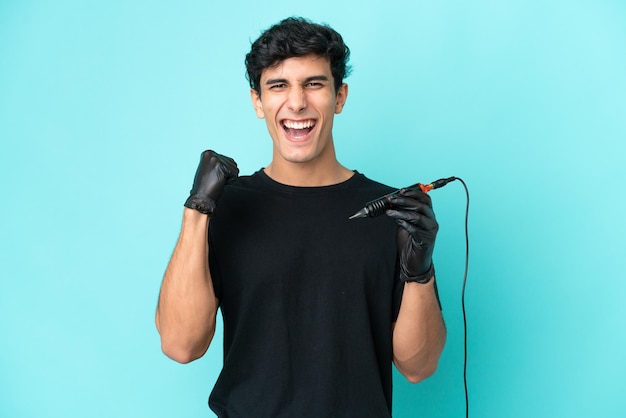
x=285, y=245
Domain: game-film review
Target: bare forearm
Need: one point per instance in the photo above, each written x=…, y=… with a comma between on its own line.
x=185, y=316
x=419, y=333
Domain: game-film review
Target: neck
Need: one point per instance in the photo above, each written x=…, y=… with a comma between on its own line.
x=308, y=174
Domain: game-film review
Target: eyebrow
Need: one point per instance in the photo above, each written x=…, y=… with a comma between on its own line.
x=306, y=80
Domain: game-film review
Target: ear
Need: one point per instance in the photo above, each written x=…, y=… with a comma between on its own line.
x=342, y=96
x=257, y=104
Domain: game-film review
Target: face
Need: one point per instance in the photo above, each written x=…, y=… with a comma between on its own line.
x=298, y=102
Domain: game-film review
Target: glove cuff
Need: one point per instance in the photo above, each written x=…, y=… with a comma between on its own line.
x=201, y=205
x=420, y=278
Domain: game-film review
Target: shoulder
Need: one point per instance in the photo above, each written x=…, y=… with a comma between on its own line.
x=366, y=185
x=247, y=183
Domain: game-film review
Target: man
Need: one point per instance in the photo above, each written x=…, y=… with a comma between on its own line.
x=316, y=307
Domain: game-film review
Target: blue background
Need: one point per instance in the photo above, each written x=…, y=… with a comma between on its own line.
x=105, y=107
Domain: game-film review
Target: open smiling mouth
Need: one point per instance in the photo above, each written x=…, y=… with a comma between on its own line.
x=298, y=129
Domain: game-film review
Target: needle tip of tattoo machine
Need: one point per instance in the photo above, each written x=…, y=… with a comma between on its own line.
x=360, y=214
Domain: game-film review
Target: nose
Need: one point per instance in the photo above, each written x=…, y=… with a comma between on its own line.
x=296, y=100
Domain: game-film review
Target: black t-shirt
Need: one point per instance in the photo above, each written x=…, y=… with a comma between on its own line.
x=308, y=298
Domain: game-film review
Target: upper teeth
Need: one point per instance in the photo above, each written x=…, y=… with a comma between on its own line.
x=298, y=124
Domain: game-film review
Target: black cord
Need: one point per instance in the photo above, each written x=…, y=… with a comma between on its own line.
x=463, y=297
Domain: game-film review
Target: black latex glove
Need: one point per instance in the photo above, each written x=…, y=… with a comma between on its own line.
x=214, y=172
x=413, y=212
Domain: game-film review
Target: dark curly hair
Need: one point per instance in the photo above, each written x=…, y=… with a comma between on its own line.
x=297, y=37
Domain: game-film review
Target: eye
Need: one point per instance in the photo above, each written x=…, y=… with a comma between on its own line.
x=278, y=86
x=315, y=84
